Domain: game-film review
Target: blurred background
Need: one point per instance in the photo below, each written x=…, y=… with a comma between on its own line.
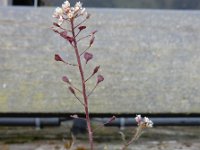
x=151, y=4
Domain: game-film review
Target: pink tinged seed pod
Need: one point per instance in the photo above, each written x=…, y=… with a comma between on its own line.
x=100, y=78
x=56, y=24
x=92, y=37
x=58, y=58
x=56, y=31
x=88, y=56
x=65, y=36
x=72, y=90
x=81, y=28
x=70, y=39
x=96, y=69
x=65, y=79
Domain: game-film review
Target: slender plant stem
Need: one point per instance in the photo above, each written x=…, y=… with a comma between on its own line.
x=79, y=100
x=80, y=23
x=134, y=138
x=92, y=90
x=84, y=50
x=83, y=38
x=90, y=133
x=89, y=77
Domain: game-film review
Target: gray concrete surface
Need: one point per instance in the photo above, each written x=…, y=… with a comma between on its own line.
x=150, y=60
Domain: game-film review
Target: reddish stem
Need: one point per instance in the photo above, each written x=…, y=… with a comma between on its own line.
x=90, y=133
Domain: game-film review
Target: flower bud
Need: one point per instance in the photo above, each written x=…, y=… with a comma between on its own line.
x=65, y=79
x=87, y=56
x=72, y=90
x=96, y=69
x=56, y=24
x=58, y=58
x=56, y=31
x=92, y=39
x=100, y=78
x=81, y=28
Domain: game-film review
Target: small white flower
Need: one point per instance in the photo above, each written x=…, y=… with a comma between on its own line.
x=148, y=122
x=79, y=5
x=58, y=12
x=138, y=119
x=83, y=11
x=143, y=122
x=72, y=8
x=70, y=14
x=66, y=6
x=66, y=3
x=60, y=20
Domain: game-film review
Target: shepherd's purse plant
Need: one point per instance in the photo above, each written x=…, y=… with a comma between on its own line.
x=69, y=24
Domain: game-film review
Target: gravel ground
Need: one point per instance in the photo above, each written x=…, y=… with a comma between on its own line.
x=150, y=145
x=157, y=138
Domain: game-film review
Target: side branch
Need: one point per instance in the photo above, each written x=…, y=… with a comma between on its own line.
x=80, y=23
x=92, y=90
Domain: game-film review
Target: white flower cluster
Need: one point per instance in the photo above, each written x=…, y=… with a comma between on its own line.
x=68, y=12
x=144, y=122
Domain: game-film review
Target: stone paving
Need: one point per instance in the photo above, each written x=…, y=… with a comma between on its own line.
x=157, y=138
x=166, y=145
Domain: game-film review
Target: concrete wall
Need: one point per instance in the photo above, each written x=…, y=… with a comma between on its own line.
x=150, y=60
x=5, y=2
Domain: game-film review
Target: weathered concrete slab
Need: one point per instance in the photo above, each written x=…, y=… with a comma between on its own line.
x=150, y=60
x=168, y=138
